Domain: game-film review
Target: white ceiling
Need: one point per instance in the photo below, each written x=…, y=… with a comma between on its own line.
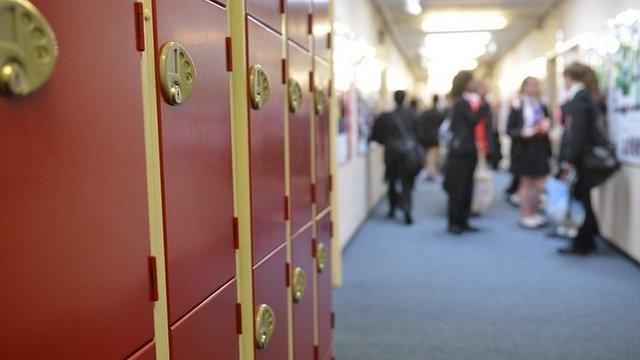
x=522, y=15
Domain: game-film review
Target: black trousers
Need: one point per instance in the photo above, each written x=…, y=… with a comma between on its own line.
x=586, y=238
x=515, y=184
x=459, y=184
x=404, y=198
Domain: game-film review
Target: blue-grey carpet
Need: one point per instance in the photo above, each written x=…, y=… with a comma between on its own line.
x=419, y=293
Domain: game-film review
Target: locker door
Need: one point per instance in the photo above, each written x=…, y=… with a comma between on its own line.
x=266, y=127
x=267, y=12
x=302, y=267
x=196, y=156
x=300, y=140
x=298, y=21
x=321, y=28
x=148, y=352
x=270, y=289
x=323, y=178
x=73, y=215
x=324, y=295
x=210, y=330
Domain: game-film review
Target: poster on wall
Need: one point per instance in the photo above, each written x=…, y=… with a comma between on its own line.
x=366, y=114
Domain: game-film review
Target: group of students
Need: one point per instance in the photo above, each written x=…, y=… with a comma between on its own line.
x=473, y=135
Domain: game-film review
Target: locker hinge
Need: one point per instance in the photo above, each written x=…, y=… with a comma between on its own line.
x=329, y=40
x=310, y=24
x=228, y=46
x=238, y=318
x=287, y=267
x=284, y=71
x=330, y=90
x=330, y=183
x=316, y=352
x=138, y=10
x=314, y=248
x=333, y=320
x=331, y=230
x=153, y=278
x=313, y=193
x=286, y=208
x=282, y=10
x=236, y=234
x=312, y=84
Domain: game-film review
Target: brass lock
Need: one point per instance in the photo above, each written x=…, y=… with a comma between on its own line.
x=177, y=73
x=259, y=88
x=28, y=48
x=319, y=101
x=265, y=324
x=299, y=284
x=294, y=91
x=322, y=257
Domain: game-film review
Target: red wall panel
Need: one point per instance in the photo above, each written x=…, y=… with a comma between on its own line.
x=210, y=330
x=321, y=28
x=323, y=171
x=324, y=289
x=300, y=141
x=269, y=287
x=298, y=21
x=266, y=127
x=266, y=11
x=302, y=257
x=196, y=159
x=73, y=215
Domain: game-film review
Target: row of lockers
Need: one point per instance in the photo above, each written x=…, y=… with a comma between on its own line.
x=81, y=143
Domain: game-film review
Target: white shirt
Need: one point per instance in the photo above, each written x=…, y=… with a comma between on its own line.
x=529, y=110
x=573, y=90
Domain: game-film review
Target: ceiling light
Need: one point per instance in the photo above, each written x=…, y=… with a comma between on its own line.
x=413, y=7
x=449, y=45
x=451, y=21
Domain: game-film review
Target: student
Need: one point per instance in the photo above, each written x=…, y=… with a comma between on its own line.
x=581, y=115
x=390, y=129
x=430, y=122
x=462, y=154
x=528, y=126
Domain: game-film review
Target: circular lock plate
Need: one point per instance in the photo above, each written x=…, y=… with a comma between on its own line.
x=177, y=73
x=259, y=87
x=319, y=101
x=28, y=48
x=299, y=284
x=265, y=325
x=294, y=91
x=322, y=257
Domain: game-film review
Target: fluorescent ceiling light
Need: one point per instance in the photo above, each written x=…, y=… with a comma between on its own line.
x=452, y=45
x=413, y=7
x=451, y=21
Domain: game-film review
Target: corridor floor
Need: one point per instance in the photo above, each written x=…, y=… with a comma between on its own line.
x=419, y=293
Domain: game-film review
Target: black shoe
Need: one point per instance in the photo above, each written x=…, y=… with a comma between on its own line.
x=408, y=219
x=391, y=214
x=572, y=250
x=455, y=229
x=469, y=228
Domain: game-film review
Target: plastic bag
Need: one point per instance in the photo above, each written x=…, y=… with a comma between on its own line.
x=482, y=189
x=560, y=206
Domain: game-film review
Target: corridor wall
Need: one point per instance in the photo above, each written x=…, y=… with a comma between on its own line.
x=166, y=175
x=618, y=201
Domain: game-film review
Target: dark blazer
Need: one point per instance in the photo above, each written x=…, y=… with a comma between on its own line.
x=386, y=132
x=430, y=122
x=463, y=122
x=514, y=130
x=580, y=117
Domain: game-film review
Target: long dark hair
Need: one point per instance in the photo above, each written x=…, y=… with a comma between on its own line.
x=460, y=82
x=584, y=74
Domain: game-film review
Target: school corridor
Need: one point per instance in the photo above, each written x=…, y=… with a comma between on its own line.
x=417, y=292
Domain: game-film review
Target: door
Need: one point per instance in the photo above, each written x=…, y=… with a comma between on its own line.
x=73, y=215
x=300, y=138
x=323, y=261
x=321, y=28
x=266, y=128
x=302, y=294
x=267, y=12
x=196, y=153
x=323, y=172
x=298, y=12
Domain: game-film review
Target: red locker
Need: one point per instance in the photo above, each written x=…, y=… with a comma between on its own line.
x=298, y=12
x=325, y=310
x=302, y=272
x=210, y=330
x=73, y=215
x=266, y=127
x=300, y=139
x=267, y=12
x=323, y=171
x=321, y=28
x=148, y=352
x=196, y=156
x=270, y=289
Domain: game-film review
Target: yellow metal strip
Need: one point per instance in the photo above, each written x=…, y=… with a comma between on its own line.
x=241, y=173
x=154, y=182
